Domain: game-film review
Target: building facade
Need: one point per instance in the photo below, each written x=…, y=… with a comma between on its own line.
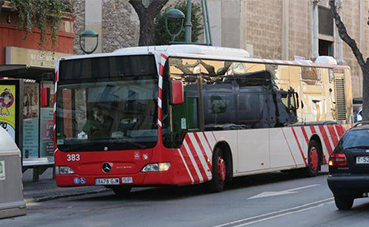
x=27, y=72
x=272, y=29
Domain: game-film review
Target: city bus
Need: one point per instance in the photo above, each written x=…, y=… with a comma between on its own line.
x=187, y=114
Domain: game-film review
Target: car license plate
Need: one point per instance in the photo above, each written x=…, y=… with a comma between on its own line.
x=107, y=181
x=362, y=160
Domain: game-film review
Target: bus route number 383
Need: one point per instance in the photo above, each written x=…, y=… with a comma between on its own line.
x=73, y=157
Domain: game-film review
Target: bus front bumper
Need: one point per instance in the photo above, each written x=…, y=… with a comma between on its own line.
x=138, y=179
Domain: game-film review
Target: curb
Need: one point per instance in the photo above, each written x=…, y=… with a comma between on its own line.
x=66, y=195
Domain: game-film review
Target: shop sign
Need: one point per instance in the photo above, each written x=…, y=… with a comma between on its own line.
x=31, y=57
x=2, y=170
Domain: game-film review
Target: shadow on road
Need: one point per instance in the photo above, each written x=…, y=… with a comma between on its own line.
x=176, y=193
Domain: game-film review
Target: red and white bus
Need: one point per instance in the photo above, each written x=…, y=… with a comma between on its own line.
x=187, y=114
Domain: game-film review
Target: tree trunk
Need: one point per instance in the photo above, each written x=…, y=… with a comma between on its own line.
x=365, y=112
x=147, y=17
x=146, y=30
x=342, y=31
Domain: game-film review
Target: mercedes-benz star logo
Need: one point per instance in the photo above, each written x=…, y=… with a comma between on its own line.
x=106, y=167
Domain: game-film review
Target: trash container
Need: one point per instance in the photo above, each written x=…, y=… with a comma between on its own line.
x=11, y=187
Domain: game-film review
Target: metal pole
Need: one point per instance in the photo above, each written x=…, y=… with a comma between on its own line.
x=188, y=24
x=205, y=16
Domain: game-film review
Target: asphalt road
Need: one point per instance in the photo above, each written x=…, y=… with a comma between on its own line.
x=276, y=199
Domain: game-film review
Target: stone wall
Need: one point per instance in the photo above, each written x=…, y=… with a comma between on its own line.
x=79, y=23
x=299, y=29
x=120, y=25
x=264, y=28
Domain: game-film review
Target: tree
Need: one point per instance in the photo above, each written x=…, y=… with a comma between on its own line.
x=162, y=37
x=147, y=13
x=364, y=65
x=44, y=16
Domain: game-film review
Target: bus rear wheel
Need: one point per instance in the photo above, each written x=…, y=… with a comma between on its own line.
x=219, y=171
x=313, y=159
x=121, y=191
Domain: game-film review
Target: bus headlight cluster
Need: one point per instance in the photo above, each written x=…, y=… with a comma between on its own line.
x=63, y=170
x=156, y=167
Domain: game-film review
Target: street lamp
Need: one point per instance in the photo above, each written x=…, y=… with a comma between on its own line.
x=89, y=36
x=179, y=15
x=176, y=15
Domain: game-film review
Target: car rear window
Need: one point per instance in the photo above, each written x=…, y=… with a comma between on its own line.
x=356, y=138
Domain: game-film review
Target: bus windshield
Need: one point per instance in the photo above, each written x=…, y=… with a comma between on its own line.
x=110, y=114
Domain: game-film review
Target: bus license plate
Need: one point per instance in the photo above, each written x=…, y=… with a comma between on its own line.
x=362, y=160
x=107, y=181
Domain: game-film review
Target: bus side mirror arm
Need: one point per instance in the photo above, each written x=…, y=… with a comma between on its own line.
x=176, y=92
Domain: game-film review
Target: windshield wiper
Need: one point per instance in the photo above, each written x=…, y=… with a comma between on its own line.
x=75, y=147
x=135, y=144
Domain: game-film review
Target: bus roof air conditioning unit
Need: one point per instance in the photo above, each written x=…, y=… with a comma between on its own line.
x=326, y=60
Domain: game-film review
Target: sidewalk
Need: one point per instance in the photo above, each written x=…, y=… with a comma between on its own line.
x=46, y=189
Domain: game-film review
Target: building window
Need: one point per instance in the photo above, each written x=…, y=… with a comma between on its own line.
x=325, y=21
x=326, y=31
x=325, y=48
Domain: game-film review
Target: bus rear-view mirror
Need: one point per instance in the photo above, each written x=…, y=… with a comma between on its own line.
x=45, y=97
x=177, y=96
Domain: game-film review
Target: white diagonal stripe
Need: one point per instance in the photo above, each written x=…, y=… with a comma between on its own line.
x=193, y=160
x=160, y=81
x=318, y=132
x=301, y=140
x=335, y=131
x=329, y=135
x=211, y=139
x=200, y=155
x=205, y=145
x=159, y=123
x=185, y=164
x=159, y=103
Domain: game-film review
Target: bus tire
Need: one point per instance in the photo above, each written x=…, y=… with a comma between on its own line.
x=121, y=191
x=219, y=171
x=343, y=203
x=313, y=161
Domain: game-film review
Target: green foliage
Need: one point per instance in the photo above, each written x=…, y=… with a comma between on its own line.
x=162, y=37
x=44, y=15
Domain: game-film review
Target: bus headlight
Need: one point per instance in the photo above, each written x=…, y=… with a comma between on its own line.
x=156, y=167
x=63, y=170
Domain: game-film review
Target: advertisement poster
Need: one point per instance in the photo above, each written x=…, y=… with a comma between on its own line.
x=30, y=121
x=7, y=108
x=46, y=132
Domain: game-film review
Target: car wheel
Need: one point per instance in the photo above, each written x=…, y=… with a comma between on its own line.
x=121, y=191
x=313, y=159
x=344, y=203
x=219, y=171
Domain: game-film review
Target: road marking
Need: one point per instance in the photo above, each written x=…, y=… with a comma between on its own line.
x=285, y=192
x=276, y=214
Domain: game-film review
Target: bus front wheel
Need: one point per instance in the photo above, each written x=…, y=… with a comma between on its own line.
x=219, y=171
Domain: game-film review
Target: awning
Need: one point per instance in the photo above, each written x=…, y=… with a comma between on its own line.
x=26, y=72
